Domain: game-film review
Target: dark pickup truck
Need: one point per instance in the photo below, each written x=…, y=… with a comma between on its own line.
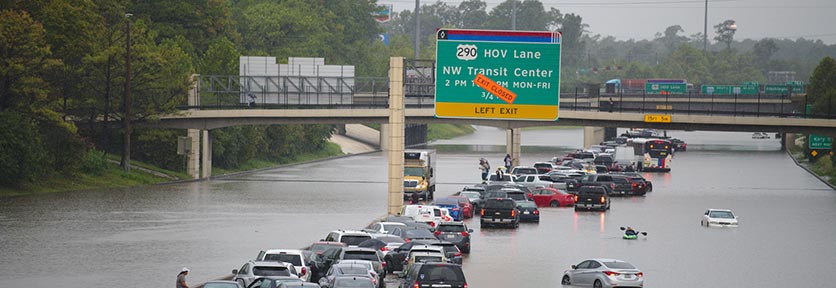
x=615, y=184
x=499, y=211
x=592, y=197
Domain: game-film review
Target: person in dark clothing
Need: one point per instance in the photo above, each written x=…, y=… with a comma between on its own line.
x=414, y=199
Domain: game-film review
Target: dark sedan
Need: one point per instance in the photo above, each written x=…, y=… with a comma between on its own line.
x=455, y=232
x=413, y=233
x=528, y=211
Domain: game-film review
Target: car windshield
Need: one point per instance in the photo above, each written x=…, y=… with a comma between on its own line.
x=427, y=259
x=220, y=285
x=389, y=227
x=517, y=196
x=523, y=171
x=619, y=265
x=440, y=272
x=446, y=202
x=354, y=240
x=413, y=171
x=721, y=214
x=361, y=255
x=526, y=204
x=353, y=282
x=270, y=271
x=509, y=204
x=450, y=228
x=289, y=258
x=317, y=248
x=419, y=233
x=390, y=239
x=353, y=270
x=471, y=195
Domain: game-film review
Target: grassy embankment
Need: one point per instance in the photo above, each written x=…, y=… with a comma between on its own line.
x=822, y=167
x=113, y=176
x=441, y=131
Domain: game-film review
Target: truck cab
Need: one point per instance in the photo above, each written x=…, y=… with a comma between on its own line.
x=419, y=173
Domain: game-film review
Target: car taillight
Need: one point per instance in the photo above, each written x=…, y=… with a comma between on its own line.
x=482, y=212
x=465, y=234
x=432, y=224
x=634, y=184
x=304, y=271
x=384, y=248
x=465, y=285
x=457, y=254
x=436, y=233
x=611, y=273
x=603, y=199
x=513, y=213
x=406, y=240
x=416, y=285
x=640, y=274
x=536, y=212
x=576, y=198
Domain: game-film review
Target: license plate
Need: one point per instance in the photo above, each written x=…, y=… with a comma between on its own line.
x=526, y=213
x=497, y=213
x=628, y=276
x=449, y=236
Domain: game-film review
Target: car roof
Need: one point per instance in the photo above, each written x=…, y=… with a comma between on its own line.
x=355, y=262
x=726, y=210
x=353, y=249
x=427, y=253
x=332, y=243
x=451, y=223
x=608, y=260
x=283, y=251
x=391, y=223
x=271, y=263
x=351, y=232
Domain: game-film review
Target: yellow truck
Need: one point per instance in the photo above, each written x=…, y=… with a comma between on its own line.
x=419, y=173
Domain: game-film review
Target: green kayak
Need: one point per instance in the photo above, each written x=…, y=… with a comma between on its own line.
x=631, y=237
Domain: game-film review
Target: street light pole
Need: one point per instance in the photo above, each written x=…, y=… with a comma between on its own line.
x=126, y=144
x=417, y=28
x=513, y=14
x=705, y=29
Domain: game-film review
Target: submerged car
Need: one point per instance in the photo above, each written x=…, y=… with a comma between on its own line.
x=719, y=218
x=603, y=273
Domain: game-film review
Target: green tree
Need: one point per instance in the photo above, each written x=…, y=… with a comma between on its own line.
x=198, y=21
x=472, y=14
x=671, y=38
x=764, y=49
x=725, y=32
x=279, y=29
x=27, y=60
x=822, y=88
x=530, y=15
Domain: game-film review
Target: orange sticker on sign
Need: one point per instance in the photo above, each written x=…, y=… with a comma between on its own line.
x=495, y=89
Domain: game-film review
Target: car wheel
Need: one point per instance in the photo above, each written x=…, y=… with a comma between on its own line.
x=554, y=204
x=597, y=284
x=565, y=280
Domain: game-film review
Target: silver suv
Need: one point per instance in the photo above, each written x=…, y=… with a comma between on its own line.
x=254, y=269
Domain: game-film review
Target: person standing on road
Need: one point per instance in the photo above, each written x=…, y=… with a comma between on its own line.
x=612, y=104
x=181, y=278
x=485, y=167
x=414, y=198
x=508, y=162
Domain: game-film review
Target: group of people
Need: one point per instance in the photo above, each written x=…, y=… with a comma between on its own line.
x=485, y=167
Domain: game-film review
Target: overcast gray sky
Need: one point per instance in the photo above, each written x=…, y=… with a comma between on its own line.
x=642, y=19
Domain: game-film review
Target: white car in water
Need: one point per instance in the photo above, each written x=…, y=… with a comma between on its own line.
x=719, y=218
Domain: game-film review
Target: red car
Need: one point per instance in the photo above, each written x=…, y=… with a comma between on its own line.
x=464, y=203
x=550, y=197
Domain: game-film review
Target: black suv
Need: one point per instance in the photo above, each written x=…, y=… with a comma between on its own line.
x=435, y=274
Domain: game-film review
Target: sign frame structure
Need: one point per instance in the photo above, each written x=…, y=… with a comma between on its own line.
x=820, y=142
x=657, y=118
x=497, y=74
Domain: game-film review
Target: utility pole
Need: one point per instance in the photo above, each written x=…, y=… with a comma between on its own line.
x=126, y=140
x=705, y=29
x=417, y=28
x=513, y=14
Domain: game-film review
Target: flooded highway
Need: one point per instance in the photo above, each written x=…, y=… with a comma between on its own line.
x=143, y=236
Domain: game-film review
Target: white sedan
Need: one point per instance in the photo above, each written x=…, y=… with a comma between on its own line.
x=719, y=218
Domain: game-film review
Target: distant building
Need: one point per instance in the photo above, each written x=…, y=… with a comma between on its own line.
x=302, y=81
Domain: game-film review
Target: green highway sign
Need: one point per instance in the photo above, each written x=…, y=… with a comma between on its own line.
x=775, y=89
x=495, y=74
x=666, y=88
x=729, y=89
x=820, y=142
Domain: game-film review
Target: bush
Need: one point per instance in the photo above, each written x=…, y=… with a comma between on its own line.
x=824, y=167
x=94, y=162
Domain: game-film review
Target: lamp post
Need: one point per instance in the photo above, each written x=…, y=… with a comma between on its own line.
x=417, y=28
x=126, y=140
x=705, y=29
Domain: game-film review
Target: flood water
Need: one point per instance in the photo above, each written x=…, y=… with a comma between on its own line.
x=143, y=236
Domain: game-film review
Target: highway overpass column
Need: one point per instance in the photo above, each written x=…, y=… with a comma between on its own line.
x=384, y=137
x=206, y=154
x=395, y=139
x=513, y=137
x=592, y=136
x=193, y=161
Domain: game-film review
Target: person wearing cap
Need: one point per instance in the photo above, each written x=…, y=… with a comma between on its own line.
x=181, y=278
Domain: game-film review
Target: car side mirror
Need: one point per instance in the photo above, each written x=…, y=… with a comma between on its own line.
x=234, y=271
x=574, y=266
x=469, y=230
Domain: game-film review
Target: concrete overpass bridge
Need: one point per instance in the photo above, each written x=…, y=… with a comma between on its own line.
x=218, y=101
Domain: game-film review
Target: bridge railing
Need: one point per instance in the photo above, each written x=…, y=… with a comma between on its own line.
x=294, y=92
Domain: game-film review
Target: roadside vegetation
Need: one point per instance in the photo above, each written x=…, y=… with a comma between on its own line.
x=448, y=131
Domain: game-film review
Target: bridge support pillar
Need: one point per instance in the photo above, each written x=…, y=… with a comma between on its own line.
x=592, y=136
x=787, y=139
x=340, y=129
x=395, y=139
x=513, y=137
x=193, y=160
x=384, y=137
x=206, y=154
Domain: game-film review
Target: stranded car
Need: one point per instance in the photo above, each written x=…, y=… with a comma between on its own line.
x=603, y=273
x=719, y=218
